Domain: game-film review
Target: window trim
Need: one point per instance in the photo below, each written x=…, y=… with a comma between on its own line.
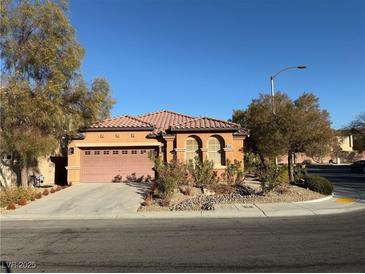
x=195, y=153
x=220, y=151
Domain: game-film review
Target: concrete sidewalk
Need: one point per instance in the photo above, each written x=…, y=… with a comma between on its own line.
x=328, y=205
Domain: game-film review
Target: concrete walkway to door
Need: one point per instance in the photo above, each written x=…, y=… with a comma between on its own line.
x=86, y=200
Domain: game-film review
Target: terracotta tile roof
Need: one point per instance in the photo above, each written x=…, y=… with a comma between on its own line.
x=242, y=132
x=205, y=123
x=164, y=119
x=124, y=121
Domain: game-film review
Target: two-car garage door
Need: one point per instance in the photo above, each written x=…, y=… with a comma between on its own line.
x=103, y=164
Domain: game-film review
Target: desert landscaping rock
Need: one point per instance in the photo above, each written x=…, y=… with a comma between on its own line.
x=244, y=195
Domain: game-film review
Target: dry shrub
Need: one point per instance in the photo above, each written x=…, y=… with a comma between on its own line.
x=281, y=189
x=11, y=206
x=233, y=173
x=222, y=188
x=148, y=200
x=45, y=192
x=13, y=194
x=202, y=173
x=53, y=190
x=154, y=187
x=58, y=188
x=32, y=199
x=22, y=201
x=38, y=195
x=165, y=202
x=70, y=184
x=186, y=190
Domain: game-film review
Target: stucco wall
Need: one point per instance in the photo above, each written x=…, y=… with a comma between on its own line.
x=45, y=167
x=233, y=146
x=346, y=143
x=173, y=144
x=104, y=139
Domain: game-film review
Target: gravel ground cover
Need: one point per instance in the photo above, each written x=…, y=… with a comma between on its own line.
x=247, y=195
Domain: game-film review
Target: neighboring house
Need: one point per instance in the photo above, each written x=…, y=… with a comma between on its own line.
x=344, y=153
x=121, y=145
x=346, y=142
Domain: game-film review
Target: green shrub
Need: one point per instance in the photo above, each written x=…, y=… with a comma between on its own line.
x=169, y=175
x=202, y=173
x=299, y=175
x=233, y=173
x=269, y=175
x=251, y=161
x=283, y=177
x=319, y=184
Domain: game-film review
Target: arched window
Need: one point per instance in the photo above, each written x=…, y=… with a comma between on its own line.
x=192, y=149
x=215, y=151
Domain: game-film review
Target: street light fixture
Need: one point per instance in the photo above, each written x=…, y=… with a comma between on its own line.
x=272, y=82
x=273, y=91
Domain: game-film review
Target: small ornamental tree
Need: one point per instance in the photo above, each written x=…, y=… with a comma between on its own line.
x=42, y=93
x=296, y=126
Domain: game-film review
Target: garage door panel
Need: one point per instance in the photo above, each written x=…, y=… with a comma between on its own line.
x=102, y=165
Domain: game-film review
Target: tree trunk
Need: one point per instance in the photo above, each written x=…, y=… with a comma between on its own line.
x=262, y=159
x=24, y=177
x=290, y=166
x=18, y=173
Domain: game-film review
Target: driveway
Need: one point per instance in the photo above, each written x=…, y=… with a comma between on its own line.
x=86, y=201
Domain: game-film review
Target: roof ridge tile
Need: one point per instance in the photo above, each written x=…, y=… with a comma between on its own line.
x=165, y=110
x=218, y=120
x=136, y=119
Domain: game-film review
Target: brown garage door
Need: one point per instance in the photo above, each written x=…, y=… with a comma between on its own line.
x=103, y=164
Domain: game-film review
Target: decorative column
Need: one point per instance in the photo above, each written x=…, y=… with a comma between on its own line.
x=169, y=147
x=238, y=149
x=204, y=153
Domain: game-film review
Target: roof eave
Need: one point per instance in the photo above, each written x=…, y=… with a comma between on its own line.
x=117, y=129
x=203, y=129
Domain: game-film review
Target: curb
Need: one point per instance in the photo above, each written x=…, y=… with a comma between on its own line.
x=329, y=197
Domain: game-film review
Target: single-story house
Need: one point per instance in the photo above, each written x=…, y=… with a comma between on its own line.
x=121, y=145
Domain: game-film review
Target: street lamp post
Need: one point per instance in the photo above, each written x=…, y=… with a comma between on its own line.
x=273, y=90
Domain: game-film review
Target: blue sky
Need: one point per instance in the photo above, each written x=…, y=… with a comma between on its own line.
x=207, y=57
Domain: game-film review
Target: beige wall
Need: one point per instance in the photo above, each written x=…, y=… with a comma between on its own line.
x=45, y=167
x=345, y=142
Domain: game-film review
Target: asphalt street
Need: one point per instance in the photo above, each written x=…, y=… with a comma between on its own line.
x=333, y=243
x=329, y=243
x=345, y=183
